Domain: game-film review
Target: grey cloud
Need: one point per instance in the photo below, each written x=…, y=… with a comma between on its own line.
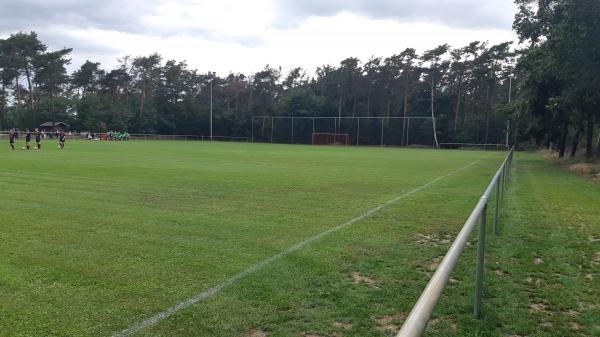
x=116, y=15
x=473, y=14
x=107, y=14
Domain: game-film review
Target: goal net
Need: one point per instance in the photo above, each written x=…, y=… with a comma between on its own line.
x=330, y=139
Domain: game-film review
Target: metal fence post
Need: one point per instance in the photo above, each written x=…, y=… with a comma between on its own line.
x=503, y=181
x=497, y=206
x=480, y=265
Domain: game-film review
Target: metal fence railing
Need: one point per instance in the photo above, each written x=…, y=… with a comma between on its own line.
x=185, y=137
x=475, y=146
x=134, y=136
x=417, y=320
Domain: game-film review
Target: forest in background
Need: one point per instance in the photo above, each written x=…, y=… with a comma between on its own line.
x=547, y=89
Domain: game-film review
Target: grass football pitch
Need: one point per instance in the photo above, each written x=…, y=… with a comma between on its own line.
x=100, y=237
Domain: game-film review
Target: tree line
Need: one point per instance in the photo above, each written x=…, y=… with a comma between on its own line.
x=559, y=74
x=147, y=94
x=546, y=90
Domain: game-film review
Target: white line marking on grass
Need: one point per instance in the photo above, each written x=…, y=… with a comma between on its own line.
x=205, y=294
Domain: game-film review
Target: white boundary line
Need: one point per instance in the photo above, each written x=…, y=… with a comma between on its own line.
x=137, y=327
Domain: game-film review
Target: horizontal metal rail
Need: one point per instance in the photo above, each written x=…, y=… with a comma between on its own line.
x=419, y=317
x=477, y=144
x=133, y=136
x=342, y=117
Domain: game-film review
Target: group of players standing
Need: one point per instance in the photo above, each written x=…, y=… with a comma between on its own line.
x=38, y=139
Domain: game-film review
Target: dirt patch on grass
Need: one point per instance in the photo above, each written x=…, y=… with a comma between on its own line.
x=533, y=280
x=434, y=239
x=498, y=272
x=538, y=307
x=538, y=260
x=306, y=334
x=596, y=258
x=371, y=282
x=592, y=238
x=390, y=323
x=257, y=333
x=342, y=325
x=434, y=264
x=443, y=323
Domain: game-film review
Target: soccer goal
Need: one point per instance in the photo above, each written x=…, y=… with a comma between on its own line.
x=359, y=130
x=331, y=139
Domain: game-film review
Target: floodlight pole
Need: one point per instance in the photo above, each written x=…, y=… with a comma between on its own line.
x=340, y=92
x=437, y=145
x=358, y=132
x=210, y=81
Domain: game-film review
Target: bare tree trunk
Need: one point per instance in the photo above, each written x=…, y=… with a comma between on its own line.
x=389, y=107
x=457, y=108
x=250, y=98
x=589, y=146
x=354, y=106
x=575, y=143
x=237, y=100
x=17, y=90
x=405, y=110
x=52, y=106
x=562, y=142
x=142, y=99
x=2, y=106
x=30, y=91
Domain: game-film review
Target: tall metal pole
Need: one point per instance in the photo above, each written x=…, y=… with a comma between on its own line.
x=358, y=132
x=341, y=91
x=407, y=129
x=211, y=108
x=437, y=145
x=382, y=132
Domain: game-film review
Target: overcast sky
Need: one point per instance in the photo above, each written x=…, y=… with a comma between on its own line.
x=245, y=35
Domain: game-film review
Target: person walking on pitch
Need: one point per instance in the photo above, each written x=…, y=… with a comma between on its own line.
x=38, y=139
x=61, y=140
x=27, y=139
x=11, y=139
